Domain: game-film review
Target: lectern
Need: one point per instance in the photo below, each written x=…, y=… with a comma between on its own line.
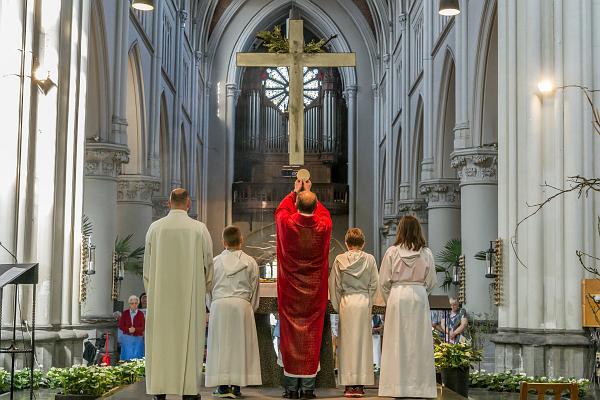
x=19, y=274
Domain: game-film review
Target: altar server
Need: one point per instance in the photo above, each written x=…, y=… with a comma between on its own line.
x=406, y=277
x=232, y=358
x=352, y=290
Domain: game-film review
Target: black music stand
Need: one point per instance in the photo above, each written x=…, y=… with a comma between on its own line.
x=19, y=274
x=441, y=302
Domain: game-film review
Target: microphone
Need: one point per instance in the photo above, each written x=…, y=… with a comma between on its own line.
x=9, y=252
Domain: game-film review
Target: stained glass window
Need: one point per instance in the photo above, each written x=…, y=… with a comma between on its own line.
x=277, y=86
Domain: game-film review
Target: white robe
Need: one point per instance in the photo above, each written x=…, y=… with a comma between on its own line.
x=232, y=354
x=178, y=269
x=352, y=291
x=407, y=363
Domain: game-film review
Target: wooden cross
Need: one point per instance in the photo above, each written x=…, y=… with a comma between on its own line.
x=296, y=60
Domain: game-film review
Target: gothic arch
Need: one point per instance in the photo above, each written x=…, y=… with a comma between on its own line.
x=98, y=90
x=446, y=119
x=164, y=148
x=485, y=96
x=136, y=115
x=317, y=22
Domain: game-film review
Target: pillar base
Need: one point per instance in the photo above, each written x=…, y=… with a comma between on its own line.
x=539, y=352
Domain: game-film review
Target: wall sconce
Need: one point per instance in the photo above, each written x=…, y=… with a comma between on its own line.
x=43, y=79
x=545, y=86
x=456, y=274
x=143, y=5
x=449, y=7
x=88, y=256
x=491, y=261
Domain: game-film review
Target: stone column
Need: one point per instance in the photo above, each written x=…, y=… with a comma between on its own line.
x=102, y=167
x=443, y=213
x=477, y=170
x=232, y=96
x=547, y=140
x=134, y=214
x=350, y=96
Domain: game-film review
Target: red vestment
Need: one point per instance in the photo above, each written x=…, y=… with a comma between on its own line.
x=139, y=323
x=302, y=272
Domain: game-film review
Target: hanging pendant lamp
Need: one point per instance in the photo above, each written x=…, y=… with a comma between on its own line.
x=143, y=5
x=449, y=7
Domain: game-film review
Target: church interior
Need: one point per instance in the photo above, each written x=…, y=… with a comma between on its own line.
x=478, y=117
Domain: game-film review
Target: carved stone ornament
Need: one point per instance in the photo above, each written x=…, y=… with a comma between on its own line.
x=160, y=207
x=136, y=189
x=441, y=193
x=104, y=160
x=414, y=207
x=476, y=166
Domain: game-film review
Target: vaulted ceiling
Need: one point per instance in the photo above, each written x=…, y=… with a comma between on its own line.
x=222, y=5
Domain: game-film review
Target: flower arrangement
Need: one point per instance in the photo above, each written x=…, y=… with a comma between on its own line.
x=455, y=355
x=511, y=382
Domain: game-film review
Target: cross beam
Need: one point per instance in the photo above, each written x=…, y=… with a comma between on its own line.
x=296, y=60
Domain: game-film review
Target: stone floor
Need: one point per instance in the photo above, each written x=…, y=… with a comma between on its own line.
x=137, y=392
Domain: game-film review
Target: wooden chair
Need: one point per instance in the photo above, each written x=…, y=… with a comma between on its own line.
x=556, y=388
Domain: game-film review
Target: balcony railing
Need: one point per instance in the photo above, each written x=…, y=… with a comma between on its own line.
x=249, y=197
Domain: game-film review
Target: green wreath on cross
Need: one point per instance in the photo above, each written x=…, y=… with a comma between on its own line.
x=275, y=42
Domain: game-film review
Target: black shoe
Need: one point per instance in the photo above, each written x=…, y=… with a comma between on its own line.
x=190, y=397
x=309, y=394
x=160, y=397
x=236, y=391
x=290, y=394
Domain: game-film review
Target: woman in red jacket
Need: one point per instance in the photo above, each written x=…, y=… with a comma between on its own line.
x=131, y=324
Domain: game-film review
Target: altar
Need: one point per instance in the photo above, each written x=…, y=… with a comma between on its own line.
x=272, y=374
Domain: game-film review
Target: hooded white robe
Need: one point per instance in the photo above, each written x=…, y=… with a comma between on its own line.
x=407, y=363
x=232, y=354
x=352, y=291
x=178, y=269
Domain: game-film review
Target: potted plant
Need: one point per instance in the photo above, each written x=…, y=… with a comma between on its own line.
x=454, y=361
x=447, y=260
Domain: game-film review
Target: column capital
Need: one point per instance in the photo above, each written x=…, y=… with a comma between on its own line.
x=441, y=193
x=183, y=16
x=414, y=207
x=160, y=207
x=104, y=160
x=136, y=189
x=402, y=21
x=350, y=92
x=231, y=90
x=476, y=166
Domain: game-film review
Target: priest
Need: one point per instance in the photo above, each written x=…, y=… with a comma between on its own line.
x=178, y=270
x=303, y=237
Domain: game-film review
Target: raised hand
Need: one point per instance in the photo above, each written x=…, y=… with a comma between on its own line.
x=298, y=186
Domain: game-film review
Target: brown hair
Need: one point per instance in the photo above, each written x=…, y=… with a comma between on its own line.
x=306, y=202
x=354, y=238
x=232, y=236
x=410, y=234
x=179, y=196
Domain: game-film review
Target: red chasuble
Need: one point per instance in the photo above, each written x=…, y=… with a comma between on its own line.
x=302, y=269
